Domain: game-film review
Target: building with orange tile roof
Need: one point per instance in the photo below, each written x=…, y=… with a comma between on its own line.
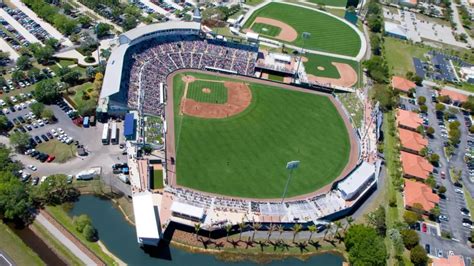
x=456, y=97
x=417, y=192
x=453, y=260
x=402, y=84
x=415, y=166
x=411, y=141
x=408, y=120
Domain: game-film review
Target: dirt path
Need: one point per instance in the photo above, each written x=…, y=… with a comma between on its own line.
x=287, y=33
x=170, y=136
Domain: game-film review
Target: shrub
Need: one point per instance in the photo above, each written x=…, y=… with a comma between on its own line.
x=89, y=59
x=81, y=221
x=410, y=238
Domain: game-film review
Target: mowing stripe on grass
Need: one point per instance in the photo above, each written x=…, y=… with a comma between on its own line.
x=208, y=92
x=266, y=29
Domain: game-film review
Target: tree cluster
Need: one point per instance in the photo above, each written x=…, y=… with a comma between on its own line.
x=84, y=226
x=52, y=14
x=365, y=246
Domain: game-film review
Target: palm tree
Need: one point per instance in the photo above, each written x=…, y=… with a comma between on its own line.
x=296, y=229
x=328, y=228
x=312, y=228
x=338, y=226
x=241, y=228
x=255, y=227
x=228, y=227
x=280, y=229
x=197, y=228
x=271, y=228
x=349, y=221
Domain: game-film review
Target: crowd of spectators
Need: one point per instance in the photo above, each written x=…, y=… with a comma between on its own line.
x=151, y=62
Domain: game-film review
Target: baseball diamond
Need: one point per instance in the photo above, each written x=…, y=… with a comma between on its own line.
x=245, y=154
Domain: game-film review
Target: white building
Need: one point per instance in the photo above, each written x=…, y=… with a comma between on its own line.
x=147, y=221
x=357, y=181
x=467, y=74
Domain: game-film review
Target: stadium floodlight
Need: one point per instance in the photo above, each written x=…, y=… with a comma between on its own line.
x=305, y=35
x=290, y=166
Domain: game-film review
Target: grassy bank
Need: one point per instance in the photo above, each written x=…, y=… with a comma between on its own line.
x=54, y=244
x=14, y=247
x=63, y=218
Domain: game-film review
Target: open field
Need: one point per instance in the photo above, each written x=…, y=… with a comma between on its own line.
x=16, y=249
x=266, y=29
x=328, y=34
x=400, y=55
x=246, y=154
x=61, y=151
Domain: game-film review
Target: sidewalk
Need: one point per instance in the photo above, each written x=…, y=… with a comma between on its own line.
x=67, y=240
x=5, y=47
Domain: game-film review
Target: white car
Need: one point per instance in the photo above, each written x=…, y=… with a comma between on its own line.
x=459, y=191
x=35, y=125
x=32, y=167
x=60, y=130
x=6, y=110
x=17, y=107
x=13, y=99
x=40, y=122
x=23, y=106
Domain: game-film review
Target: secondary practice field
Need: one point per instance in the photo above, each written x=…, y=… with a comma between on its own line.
x=246, y=154
x=266, y=29
x=328, y=33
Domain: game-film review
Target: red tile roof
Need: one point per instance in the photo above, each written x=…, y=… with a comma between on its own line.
x=408, y=119
x=453, y=95
x=417, y=192
x=412, y=140
x=454, y=260
x=415, y=165
x=402, y=84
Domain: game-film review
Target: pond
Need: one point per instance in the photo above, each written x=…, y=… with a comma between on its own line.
x=120, y=238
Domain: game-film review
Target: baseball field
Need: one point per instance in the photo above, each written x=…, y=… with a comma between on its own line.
x=339, y=3
x=328, y=34
x=244, y=152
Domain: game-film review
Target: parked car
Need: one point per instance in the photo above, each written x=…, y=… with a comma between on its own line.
x=32, y=167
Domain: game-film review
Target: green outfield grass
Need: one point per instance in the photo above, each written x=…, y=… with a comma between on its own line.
x=217, y=94
x=275, y=77
x=246, y=155
x=330, y=71
x=266, y=29
x=328, y=34
x=341, y=3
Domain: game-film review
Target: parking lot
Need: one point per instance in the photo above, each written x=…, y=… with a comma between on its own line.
x=452, y=218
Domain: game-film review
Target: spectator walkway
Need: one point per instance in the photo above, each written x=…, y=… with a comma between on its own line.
x=45, y=25
x=5, y=47
x=15, y=24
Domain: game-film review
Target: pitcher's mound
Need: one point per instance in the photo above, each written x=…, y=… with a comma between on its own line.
x=206, y=90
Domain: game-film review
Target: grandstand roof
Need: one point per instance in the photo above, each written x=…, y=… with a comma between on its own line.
x=414, y=165
x=356, y=179
x=145, y=217
x=417, y=192
x=140, y=31
x=188, y=210
x=113, y=72
x=412, y=140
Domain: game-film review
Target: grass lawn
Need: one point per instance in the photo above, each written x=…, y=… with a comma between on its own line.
x=275, y=77
x=341, y=3
x=16, y=249
x=469, y=200
x=61, y=151
x=245, y=155
x=80, y=90
x=63, y=218
x=216, y=92
x=253, y=2
x=400, y=55
x=266, y=29
x=55, y=245
x=157, y=179
x=330, y=71
x=328, y=34
x=66, y=62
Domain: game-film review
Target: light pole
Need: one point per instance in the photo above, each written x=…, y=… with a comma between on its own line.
x=290, y=166
x=305, y=35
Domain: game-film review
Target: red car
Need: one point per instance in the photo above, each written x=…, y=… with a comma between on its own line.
x=50, y=158
x=423, y=228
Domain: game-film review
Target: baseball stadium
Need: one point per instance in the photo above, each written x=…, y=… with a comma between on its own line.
x=229, y=133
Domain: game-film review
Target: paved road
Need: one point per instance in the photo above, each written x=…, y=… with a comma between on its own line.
x=5, y=260
x=64, y=240
x=437, y=243
x=45, y=25
x=24, y=32
x=5, y=47
x=459, y=28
